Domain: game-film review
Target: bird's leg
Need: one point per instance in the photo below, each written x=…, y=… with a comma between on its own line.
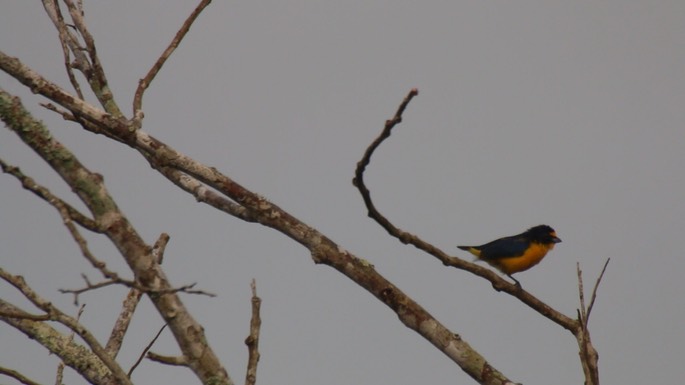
x=515, y=280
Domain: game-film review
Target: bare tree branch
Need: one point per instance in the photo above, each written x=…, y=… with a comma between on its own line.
x=252, y=340
x=160, y=246
x=72, y=354
x=91, y=190
x=96, y=78
x=167, y=360
x=29, y=184
x=144, y=83
x=17, y=376
x=116, y=337
x=203, y=193
x=147, y=349
x=57, y=315
x=24, y=315
x=407, y=238
x=322, y=249
x=60, y=374
x=594, y=292
x=69, y=43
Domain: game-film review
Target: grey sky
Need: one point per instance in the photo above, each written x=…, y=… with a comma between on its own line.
x=568, y=113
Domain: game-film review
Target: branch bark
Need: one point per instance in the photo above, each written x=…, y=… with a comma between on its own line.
x=90, y=188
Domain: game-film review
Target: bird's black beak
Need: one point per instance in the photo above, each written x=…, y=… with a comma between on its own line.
x=556, y=239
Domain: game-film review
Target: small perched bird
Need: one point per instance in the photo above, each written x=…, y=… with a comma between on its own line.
x=518, y=252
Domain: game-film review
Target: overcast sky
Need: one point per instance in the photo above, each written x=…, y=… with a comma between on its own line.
x=568, y=113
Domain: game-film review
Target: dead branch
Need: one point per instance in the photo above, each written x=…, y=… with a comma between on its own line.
x=17, y=376
x=144, y=83
x=58, y=316
x=594, y=292
x=69, y=43
x=73, y=355
x=147, y=349
x=116, y=337
x=167, y=360
x=90, y=188
x=252, y=340
x=96, y=78
x=322, y=249
x=160, y=246
x=588, y=353
x=45, y=194
x=498, y=283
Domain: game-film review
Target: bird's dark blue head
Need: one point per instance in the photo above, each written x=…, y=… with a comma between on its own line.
x=543, y=234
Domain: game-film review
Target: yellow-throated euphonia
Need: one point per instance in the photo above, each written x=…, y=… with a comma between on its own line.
x=518, y=252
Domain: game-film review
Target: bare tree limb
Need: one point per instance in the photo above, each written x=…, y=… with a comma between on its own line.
x=147, y=349
x=24, y=315
x=29, y=184
x=167, y=360
x=594, y=292
x=69, y=43
x=57, y=315
x=72, y=354
x=96, y=78
x=188, y=333
x=60, y=374
x=203, y=193
x=144, y=83
x=252, y=340
x=322, y=249
x=17, y=376
x=116, y=337
x=408, y=238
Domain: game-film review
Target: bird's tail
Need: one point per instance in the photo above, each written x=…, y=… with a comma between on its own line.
x=471, y=249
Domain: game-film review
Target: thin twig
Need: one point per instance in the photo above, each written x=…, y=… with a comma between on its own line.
x=17, y=376
x=167, y=360
x=96, y=74
x=594, y=291
x=45, y=194
x=144, y=83
x=188, y=289
x=69, y=38
x=581, y=296
x=147, y=349
x=64, y=38
x=252, y=340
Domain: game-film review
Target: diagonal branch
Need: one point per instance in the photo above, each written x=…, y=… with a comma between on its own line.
x=68, y=211
x=594, y=293
x=408, y=238
x=116, y=337
x=322, y=249
x=144, y=83
x=17, y=376
x=147, y=349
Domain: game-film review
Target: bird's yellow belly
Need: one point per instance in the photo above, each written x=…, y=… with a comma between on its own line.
x=530, y=258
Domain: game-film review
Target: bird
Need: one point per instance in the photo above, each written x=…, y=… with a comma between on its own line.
x=518, y=252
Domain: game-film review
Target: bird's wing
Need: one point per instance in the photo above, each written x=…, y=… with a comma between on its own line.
x=508, y=247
